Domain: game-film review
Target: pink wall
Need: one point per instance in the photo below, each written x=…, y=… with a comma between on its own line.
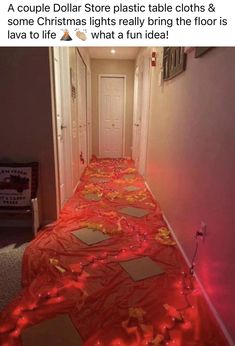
x=26, y=120
x=191, y=167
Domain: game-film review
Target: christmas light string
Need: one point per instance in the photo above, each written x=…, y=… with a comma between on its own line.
x=185, y=290
x=199, y=234
x=161, y=337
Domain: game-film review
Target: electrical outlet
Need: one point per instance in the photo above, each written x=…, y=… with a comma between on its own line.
x=202, y=231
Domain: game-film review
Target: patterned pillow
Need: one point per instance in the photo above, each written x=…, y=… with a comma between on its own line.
x=18, y=184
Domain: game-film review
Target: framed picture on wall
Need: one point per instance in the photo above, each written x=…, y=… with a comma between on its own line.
x=174, y=62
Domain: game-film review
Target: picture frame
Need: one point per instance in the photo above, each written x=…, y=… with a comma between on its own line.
x=199, y=51
x=174, y=62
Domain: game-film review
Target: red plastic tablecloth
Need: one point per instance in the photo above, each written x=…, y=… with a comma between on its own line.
x=61, y=274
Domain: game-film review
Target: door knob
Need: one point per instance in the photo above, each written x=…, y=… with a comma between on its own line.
x=63, y=127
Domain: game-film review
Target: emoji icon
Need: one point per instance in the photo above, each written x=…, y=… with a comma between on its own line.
x=66, y=36
x=81, y=35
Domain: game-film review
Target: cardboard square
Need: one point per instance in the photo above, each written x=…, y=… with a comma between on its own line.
x=142, y=268
x=129, y=176
x=92, y=197
x=90, y=236
x=58, y=331
x=132, y=188
x=122, y=165
x=99, y=180
x=132, y=211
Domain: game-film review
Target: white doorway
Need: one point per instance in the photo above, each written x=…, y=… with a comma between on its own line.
x=82, y=113
x=138, y=101
x=89, y=116
x=112, y=104
x=142, y=88
x=72, y=121
x=62, y=109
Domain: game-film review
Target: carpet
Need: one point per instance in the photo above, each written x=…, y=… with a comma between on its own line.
x=12, y=245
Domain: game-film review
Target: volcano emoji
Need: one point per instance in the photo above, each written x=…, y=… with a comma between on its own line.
x=66, y=36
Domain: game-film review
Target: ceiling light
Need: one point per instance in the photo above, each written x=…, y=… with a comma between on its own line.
x=113, y=51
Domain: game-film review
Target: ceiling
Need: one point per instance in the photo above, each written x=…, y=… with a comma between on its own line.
x=126, y=53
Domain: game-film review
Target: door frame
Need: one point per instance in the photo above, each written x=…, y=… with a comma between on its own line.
x=54, y=131
x=65, y=109
x=86, y=59
x=143, y=63
x=78, y=54
x=67, y=106
x=137, y=108
x=124, y=108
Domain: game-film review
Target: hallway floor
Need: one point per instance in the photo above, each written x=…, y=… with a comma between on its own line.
x=62, y=274
x=13, y=242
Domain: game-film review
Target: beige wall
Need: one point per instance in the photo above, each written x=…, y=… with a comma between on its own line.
x=26, y=120
x=126, y=67
x=191, y=166
x=85, y=56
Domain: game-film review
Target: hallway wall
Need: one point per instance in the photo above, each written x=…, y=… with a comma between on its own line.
x=191, y=166
x=103, y=66
x=26, y=120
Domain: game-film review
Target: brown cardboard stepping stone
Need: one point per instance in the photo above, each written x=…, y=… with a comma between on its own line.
x=132, y=188
x=90, y=236
x=129, y=176
x=142, y=268
x=92, y=197
x=132, y=211
x=58, y=331
x=99, y=180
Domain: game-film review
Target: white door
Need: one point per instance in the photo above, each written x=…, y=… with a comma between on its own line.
x=111, y=136
x=89, y=120
x=60, y=124
x=82, y=113
x=141, y=113
x=138, y=98
x=74, y=117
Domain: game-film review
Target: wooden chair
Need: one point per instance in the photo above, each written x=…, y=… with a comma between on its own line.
x=18, y=192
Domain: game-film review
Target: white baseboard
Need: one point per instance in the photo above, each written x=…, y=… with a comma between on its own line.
x=207, y=298
x=76, y=186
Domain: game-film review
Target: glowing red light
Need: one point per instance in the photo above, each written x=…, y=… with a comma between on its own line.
x=17, y=311
x=23, y=321
x=32, y=306
x=15, y=333
x=60, y=299
x=187, y=325
x=53, y=291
